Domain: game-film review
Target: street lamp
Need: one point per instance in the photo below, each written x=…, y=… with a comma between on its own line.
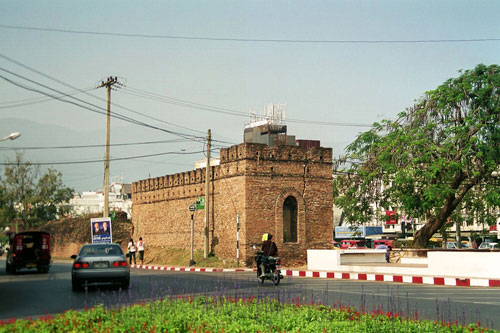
x=11, y=136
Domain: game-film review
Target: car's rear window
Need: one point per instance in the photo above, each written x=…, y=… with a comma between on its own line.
x=100, y=250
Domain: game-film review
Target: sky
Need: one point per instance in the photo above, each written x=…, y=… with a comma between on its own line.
x=189, y=66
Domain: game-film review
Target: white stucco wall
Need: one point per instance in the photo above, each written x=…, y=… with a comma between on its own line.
x=459, y=263
x=319, y=259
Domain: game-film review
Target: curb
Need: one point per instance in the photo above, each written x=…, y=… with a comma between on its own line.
x=432, y=280
x=191, y=269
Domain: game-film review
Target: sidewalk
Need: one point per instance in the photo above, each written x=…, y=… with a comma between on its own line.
x=383, y=272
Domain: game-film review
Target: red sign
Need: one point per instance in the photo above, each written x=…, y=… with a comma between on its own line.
x=493, y=227
x=390, y=217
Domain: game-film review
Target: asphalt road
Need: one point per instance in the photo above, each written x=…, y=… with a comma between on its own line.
x=29, y=294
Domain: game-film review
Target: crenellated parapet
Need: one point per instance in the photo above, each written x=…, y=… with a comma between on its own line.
x=256, y=151
x=238, y=160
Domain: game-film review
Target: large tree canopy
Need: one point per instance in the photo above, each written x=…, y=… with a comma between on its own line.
x=438, y=161
x=26, y=195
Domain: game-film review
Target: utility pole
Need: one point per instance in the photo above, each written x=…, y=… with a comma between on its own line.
x=207, y=188
x=459, y=234
x=109, y=83
x=191, y=260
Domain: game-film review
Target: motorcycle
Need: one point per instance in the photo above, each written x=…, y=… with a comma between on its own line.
x=272, y=268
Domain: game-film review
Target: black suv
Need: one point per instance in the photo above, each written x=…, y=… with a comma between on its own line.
x=29, y=249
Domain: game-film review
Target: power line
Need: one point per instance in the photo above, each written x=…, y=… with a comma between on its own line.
x=255, y=40
x=37, y=100
x=183, y=103
x=101, y=99
x=94, y=146
x=102, y=160
x=99, y=109
x=189, y=104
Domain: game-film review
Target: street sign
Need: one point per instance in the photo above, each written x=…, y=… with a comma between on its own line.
x=200, y=203
x=192, y=207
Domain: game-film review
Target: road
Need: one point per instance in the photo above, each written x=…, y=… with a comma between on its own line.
x=29, y=294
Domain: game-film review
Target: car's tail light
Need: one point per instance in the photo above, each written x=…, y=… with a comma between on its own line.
x=79, y=265
x=119, y=264
x=45, y=246
x=45, y=242
x=18, y=241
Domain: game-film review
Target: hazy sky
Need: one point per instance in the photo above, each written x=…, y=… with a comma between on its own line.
x=337, y=62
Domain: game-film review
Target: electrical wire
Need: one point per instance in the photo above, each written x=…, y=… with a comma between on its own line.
x=95, y=146
x=99, y=110
x=102, y=160
x=38, y=100
x=101, y=99
x=254, y=40
x=232, y=112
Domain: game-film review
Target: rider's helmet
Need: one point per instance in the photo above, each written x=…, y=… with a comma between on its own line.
x=265, y=237
x=269, y=236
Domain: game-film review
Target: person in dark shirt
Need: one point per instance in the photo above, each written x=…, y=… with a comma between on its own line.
x=269, y=249
x=104, y=230
x=96, y=229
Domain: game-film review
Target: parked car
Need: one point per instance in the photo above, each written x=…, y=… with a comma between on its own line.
x=98, y=264
x=488, y=245
x=29, y=249
x=388, y=242
x=352, y=244
x=451, y=245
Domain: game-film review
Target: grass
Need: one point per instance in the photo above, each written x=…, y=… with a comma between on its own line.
x=180, y=257
x=225, y=314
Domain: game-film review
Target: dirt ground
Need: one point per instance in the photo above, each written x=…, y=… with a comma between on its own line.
x=180, y=258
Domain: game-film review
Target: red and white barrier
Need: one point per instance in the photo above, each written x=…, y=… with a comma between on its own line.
x=434, y=280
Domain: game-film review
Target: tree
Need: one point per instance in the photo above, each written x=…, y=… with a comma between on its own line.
x=29, y=197
x=438, y=161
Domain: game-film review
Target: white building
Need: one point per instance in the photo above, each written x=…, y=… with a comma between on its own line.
x=120, y=199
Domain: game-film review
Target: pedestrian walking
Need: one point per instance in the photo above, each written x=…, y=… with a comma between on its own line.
x=386, y=248
x=131, y=251
x=140, y=248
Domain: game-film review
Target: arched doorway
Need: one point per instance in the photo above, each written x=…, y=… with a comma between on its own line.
x=290, y=220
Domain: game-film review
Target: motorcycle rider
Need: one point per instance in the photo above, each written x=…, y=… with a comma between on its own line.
x=269, y=249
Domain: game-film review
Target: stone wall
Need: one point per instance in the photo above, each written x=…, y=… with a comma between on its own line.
x=252, y=180
x=67, y=236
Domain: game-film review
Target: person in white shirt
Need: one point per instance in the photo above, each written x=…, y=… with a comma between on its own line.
x=131, y=251
x=140, y=248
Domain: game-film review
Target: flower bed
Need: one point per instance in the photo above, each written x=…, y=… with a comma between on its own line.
x=222, y=314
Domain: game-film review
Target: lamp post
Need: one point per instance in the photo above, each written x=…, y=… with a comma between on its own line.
x=11, y=136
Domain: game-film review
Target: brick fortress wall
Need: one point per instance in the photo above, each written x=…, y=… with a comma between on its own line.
x=252, y=180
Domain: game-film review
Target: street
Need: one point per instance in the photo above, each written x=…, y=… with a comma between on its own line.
x=29, y=294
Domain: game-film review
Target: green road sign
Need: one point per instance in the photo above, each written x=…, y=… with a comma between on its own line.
x=200, y=203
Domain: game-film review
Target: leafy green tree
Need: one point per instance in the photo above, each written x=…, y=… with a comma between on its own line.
x=7, y=212
x=30, y=197
x=438, y=161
